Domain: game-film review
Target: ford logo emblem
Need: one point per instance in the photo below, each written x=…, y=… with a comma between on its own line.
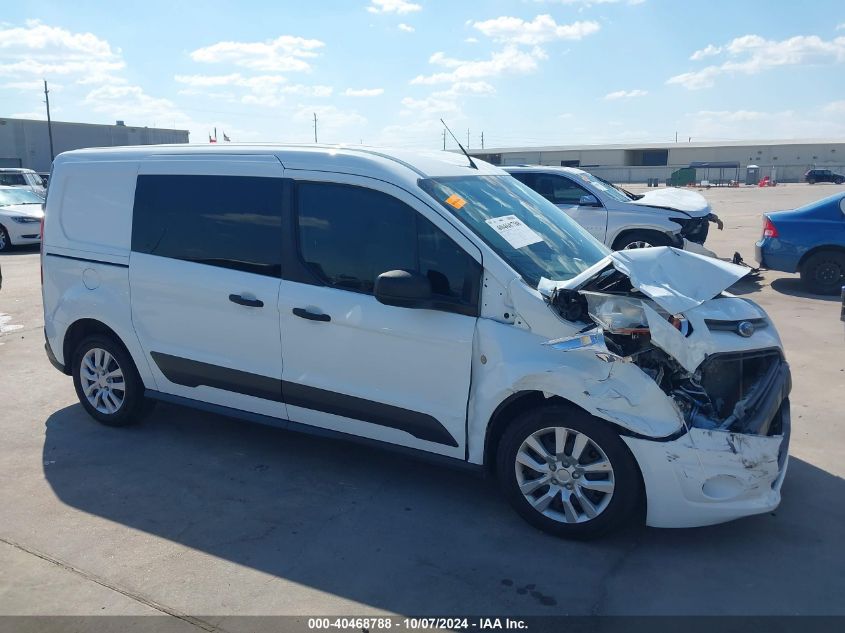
x=746, y=329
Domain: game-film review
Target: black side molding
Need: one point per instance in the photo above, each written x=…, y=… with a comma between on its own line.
x=90, y=261
x=420, y=425
x=192, y=373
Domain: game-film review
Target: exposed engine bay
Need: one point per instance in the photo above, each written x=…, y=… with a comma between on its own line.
x=737, y=391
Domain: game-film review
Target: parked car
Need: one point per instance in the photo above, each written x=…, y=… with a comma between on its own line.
x=809, y=240
x=24, y=178
x=823, y=175
x=427, y=302
x=618, y=218
x=20, y=217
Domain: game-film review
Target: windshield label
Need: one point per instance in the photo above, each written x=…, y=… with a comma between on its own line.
x=514, y=231
x=456, y=201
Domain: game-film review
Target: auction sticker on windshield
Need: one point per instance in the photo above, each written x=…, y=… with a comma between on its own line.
x=514, y=231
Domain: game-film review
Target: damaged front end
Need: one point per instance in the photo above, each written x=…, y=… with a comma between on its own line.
x=718, y=359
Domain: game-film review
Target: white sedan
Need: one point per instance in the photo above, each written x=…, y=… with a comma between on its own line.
x=21, y=212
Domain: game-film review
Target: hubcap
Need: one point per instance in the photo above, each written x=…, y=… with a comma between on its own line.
x=637, y=244
x=564, y=475
x=102, y=381
x=828, y=273
x=2, y=240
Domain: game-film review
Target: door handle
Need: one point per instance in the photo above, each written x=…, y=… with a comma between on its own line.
x=312, y=316
x=243, y=301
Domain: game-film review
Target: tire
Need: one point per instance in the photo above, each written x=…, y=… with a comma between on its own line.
x=5, y=242
x=839, y=181
x=823, y=272
x=641, y=239
x=565, y=514
x=811, y=181
x=104, y=353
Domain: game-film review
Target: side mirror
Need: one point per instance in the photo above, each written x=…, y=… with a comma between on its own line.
x=403, y=289
x=589, y=200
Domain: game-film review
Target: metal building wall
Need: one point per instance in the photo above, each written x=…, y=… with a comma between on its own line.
x=25, y=143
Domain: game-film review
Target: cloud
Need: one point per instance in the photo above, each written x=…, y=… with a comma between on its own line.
x=840, y=27
x=262, y=90
x=542, y=28
x=399, y=7
x=509, y=60
x=752, y=54
x=363, y=92
x=132, y=103
x=749, y=124
x=406, y=27
x=286, y=53
x=471, y=40
x=707, y=51
x=625, y=94
x=835, y=107
x=43, y=51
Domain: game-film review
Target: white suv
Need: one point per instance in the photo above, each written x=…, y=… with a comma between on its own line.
x=423, y=302
x=660, y=217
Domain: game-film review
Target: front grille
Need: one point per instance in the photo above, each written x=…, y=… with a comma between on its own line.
x=747, y=388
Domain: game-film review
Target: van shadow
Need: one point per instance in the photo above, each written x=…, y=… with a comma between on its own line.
x=793, y=287
x=407, y=536
x=20, y=250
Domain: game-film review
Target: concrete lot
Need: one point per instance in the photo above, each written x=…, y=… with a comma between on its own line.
x=199, y=514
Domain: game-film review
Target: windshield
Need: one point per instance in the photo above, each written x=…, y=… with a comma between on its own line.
x=608, y=188
x=19, y=196
x=530, y=233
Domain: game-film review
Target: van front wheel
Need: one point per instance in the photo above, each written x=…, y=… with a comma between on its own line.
x=106, y=381
x=568, y=473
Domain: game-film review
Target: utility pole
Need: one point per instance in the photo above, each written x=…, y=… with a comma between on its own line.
x=49, y=121
x=315, y=127
x=482, y=139
x=444, y=140
x=676, y=137
x=467, y=138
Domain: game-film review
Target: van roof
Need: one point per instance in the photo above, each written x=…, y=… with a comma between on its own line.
x=423, y=164
x=550, y=169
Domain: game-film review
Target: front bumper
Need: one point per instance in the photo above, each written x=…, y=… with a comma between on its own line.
x=711, y=476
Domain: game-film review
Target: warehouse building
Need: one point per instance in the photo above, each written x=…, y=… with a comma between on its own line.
x=785, y=161
x=26, y=142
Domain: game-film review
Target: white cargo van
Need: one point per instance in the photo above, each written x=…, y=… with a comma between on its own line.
x=421, y=301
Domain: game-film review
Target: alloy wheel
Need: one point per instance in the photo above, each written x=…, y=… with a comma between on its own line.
x=102, y=381
x=564, y=475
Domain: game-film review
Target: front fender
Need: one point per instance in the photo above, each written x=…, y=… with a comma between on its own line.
x=509, y=360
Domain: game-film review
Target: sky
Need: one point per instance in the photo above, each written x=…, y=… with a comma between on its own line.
x=383, y=72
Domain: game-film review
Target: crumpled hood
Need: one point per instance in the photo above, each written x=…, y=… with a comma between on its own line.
x=675, y=280
x=689, y=202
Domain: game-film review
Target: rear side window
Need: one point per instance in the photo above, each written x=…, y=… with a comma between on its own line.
x=227, y=221
x=349, y=235
x=12, y=179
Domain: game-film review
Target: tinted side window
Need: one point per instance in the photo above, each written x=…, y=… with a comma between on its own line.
x=558, y=189
x=228, y=221
x=348, y=236
x=12, y=179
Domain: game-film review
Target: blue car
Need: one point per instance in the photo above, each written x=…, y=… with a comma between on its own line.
x=809, y=240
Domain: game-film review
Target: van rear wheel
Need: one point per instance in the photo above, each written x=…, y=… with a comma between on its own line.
x=568, y=473
x=107, y=382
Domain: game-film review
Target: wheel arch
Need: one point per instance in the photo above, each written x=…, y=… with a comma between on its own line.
x=521, y=402
x=79, y=330
x=816, y=249
x=621, y=235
